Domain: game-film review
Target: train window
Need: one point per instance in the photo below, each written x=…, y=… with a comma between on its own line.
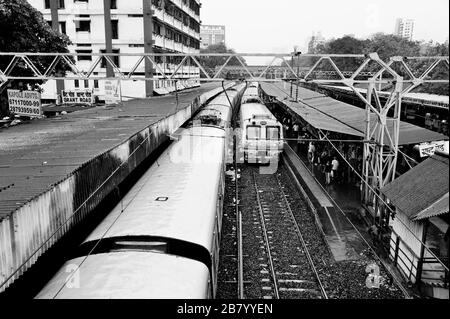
x=272, y=133
x=253, y=132
x=156, y=246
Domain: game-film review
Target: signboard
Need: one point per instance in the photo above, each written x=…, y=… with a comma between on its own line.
x=78, y=97
x=428, y=149
x=112, y=92
x=26, y=103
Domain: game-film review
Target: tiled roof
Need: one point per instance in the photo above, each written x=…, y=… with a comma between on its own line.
x=420, y=188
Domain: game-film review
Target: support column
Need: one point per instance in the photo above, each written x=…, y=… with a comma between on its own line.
x=55, y=26
x=367, y=152
x=108, y=35
x=148, y=44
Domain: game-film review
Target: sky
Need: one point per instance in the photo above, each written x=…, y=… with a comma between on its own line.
x=276, y=26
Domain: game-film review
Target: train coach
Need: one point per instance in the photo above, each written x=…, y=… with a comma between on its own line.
x=162, y=239
x=261, y=133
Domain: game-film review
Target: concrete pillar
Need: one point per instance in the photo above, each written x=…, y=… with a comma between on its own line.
x=55, y=26
x=108, y=35
x=148, y=44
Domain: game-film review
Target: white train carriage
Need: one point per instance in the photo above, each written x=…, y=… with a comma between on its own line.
x=261, y=134
x=251, y=95
x=162, y=239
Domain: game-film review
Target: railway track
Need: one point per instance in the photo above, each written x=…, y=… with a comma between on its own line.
x=286, y=269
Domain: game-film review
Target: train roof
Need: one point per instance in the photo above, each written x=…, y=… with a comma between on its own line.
x=217, y=115
x=251, y=91
x=222, y=97
x=251, y=99
x=255, y=110
x=129, y=274
x=177, y=197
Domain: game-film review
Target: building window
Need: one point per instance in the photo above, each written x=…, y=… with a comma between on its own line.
x=77, y=83
x=113, y=4
x=115, y=29
x=86, y=84
x=83, y=26
x=84, y=57
x=95, y=84
x=61, y=4
x=62, y=27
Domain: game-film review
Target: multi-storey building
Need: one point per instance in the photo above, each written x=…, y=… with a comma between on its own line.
x=175, y=26
x=404, y=28
x=212, y=34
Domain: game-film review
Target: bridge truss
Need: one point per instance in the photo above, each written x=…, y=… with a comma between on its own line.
x=398, y=76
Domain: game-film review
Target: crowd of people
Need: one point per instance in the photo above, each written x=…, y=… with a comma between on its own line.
x=338, y=161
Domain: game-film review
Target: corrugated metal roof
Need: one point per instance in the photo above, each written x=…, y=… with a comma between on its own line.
x=420, y=187
x=424, y=97
x=350, y=117
x=437, y=208
x=322, y=121
x=38, y=155
x=314, y=117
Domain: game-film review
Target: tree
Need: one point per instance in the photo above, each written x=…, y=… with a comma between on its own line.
x=211, y=62
x=441, y=72
x=23, y=29
x=387, y=45
x=344, y=45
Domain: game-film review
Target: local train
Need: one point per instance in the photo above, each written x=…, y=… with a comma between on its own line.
x=262, y=137
x=162, y=240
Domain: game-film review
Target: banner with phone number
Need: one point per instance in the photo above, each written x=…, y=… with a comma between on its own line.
x=27, y=103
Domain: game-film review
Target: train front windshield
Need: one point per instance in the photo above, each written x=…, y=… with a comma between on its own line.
x=253, y=132
x=272, y=133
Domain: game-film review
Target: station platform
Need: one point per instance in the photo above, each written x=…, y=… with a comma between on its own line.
x=54, y=171
x=342, y=238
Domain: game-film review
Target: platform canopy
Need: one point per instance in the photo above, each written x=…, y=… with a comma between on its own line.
x=323, y=112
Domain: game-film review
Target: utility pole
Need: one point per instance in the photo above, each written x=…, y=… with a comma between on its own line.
x=55, y=26
x=108, y=35
x=297, y=54
x=148, y=44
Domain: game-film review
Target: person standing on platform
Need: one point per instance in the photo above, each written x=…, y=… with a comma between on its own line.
x=311, y=151
x=295, y=129
x=323, y=159
x=334, y=169
x=328, y=172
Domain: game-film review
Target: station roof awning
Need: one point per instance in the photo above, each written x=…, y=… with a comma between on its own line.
x=342, y=117
x=321, y=121
x=408, y=192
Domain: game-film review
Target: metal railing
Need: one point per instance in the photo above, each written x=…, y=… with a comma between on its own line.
x=409, y=266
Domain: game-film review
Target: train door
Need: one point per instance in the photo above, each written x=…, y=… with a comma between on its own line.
x=252, y=135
